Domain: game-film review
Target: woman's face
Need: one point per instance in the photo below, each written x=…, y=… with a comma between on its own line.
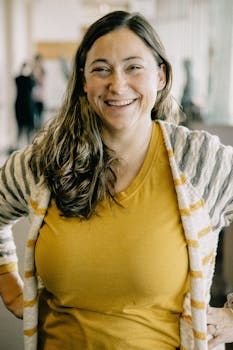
x=122, y=78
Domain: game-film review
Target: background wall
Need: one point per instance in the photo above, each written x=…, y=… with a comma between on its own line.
x=201, y=30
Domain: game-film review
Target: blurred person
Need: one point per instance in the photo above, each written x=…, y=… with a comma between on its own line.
x=24, y=105
x=65, y=67
x=38, y=90
x=125, y=208
x=191, y=109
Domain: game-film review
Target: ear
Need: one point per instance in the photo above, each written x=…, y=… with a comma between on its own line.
x=161, y=77
x=84, y=86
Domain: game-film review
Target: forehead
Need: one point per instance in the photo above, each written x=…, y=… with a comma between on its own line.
x=119, y=43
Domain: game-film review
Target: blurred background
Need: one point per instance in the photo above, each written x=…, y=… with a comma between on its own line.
x=38, y=39
x=43, y=35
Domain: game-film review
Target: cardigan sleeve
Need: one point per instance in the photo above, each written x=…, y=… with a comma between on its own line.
x=14, y=198
x=208, y=165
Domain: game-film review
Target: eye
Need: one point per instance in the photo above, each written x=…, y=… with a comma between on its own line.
x=134, y=68
x=101, y=70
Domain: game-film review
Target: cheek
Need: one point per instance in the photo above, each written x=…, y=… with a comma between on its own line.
x=150, y=94
x=151, y=89
x=90, y=91
x=93, y=89
x=149, y=84
x=93, y=96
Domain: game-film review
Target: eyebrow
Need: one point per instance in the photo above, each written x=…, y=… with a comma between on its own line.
x=104, y=60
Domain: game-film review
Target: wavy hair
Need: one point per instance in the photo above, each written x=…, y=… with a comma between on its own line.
x=69, y=153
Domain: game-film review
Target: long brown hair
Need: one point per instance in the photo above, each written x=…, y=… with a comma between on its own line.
x=77, y=166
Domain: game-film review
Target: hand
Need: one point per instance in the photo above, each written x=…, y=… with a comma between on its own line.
x=11, y=291
x=220, y=326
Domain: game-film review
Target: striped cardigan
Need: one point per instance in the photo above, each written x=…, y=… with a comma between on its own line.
x=202, y=169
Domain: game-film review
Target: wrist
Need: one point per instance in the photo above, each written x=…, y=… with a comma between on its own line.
x=229, y=303
x=11, y=286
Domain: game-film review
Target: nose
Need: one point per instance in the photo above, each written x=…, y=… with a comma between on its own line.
x=117, y=82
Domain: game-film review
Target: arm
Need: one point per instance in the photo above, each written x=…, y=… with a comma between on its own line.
x=208, y=165
x=11, y=291
x=14, y=196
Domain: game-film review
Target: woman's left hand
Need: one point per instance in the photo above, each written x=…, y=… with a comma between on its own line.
x=219, y=326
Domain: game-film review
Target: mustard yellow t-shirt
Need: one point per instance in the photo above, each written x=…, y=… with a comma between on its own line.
x=116, y=281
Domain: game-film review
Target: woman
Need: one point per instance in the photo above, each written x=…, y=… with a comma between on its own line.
x=125, y=208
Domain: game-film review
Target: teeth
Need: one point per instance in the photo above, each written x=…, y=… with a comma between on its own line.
x=119, y=103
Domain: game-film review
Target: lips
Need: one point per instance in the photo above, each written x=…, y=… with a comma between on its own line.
x=120, y=103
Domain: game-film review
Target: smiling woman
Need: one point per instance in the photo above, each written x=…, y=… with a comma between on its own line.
x=122, y=84
x=126, y=204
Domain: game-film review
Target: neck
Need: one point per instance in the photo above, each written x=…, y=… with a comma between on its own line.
x=128, y=144
x=131, y=149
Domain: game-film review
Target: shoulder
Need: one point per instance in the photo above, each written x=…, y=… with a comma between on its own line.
x=181, y=139
x=18, y=183
x=178, y=131
x=197, y=152
x=16, y=170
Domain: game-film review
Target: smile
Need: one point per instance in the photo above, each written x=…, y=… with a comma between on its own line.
x=119, y=103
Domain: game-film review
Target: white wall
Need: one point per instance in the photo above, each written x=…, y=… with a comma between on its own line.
x=3, y=80
x=56, y=20
x=221, y=41
x=183, y=27
x=15, y=48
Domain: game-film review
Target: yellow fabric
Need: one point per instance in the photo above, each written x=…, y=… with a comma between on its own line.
x=116, y=281
x=11, y=267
